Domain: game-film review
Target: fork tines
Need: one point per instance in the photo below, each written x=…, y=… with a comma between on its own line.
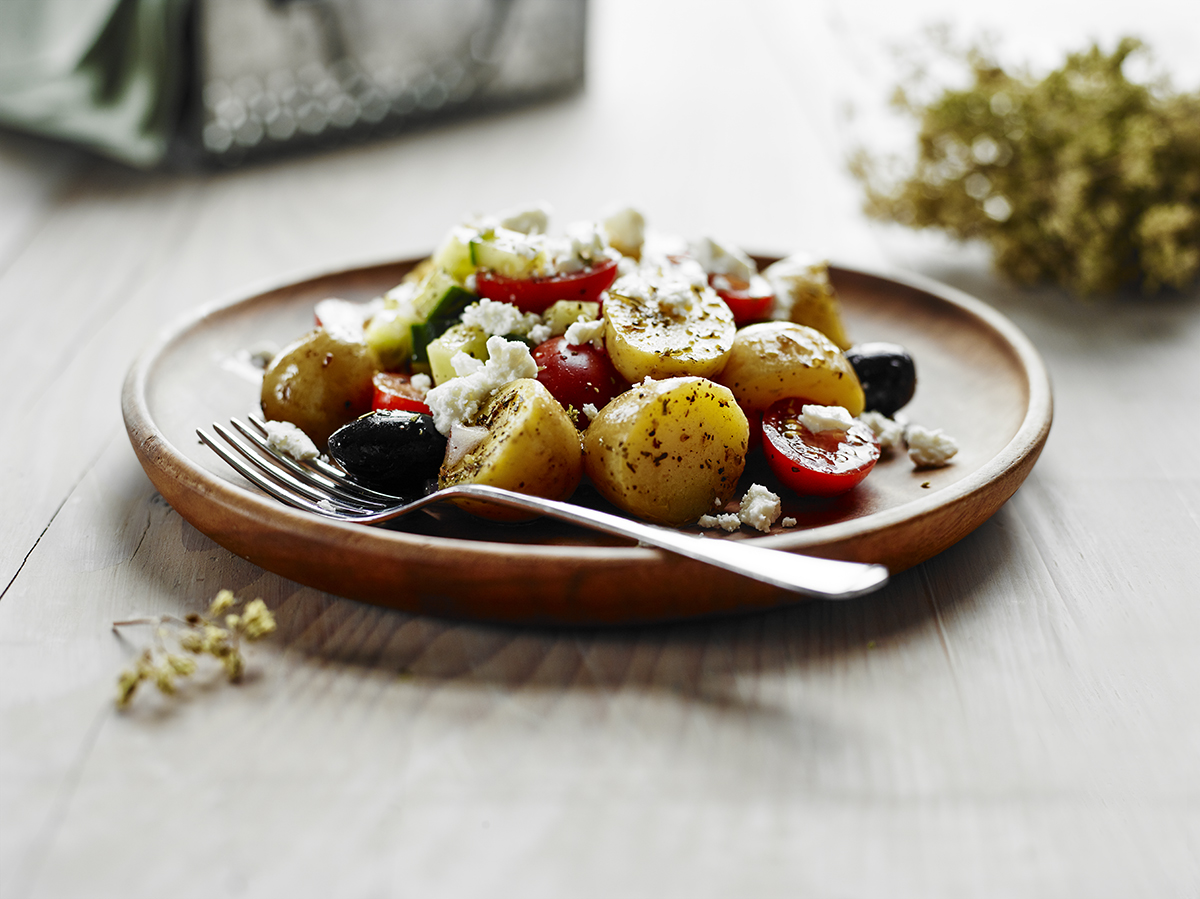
x=315, y=486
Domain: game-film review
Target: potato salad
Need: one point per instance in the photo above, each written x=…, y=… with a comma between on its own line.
x=527, y=358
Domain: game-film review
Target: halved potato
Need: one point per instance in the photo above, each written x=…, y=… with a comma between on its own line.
x=775, y=360
x=319, y=383
x=802, y=288
x=668, y=451
x=531, y=446
x=662, y=334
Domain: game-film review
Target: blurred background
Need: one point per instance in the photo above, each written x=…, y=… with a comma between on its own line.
x=687, y=109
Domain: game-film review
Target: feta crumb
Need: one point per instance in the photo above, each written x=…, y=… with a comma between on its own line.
x=540, y=333
x=494, y=317
x=797, y=276
x=345, y=319
x=532, y=220
x=726, y=522
x=584, y=244
x=285, y=438
x=584, y=331
x=626, y=266
x=889, y=433
x=759, y=508
x=590, y=410
x=459, y=400
x=421, y=382
x=626, y=230
x=929, y=449
x=326, y=506
x=472, y=283
x=788, y=522
x=722, y=259
x=825, y=418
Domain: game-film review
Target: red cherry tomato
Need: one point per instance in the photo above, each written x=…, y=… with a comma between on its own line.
x=577, y=375
x=748, y=301
x=823, y=464
x=395, y=391
x=539, y=294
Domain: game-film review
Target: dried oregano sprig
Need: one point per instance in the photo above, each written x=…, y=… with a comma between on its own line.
x=1082, y=178
x=218, y=633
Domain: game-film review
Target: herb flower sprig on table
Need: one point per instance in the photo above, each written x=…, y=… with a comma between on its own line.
x=1082, y=178
x=218, y=633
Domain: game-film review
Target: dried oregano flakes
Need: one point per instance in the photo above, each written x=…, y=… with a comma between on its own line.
x=1083, y=178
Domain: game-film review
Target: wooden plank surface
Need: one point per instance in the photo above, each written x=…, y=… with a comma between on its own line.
x=1017, y=716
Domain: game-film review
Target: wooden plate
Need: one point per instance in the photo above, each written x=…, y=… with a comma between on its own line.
x=979, y=378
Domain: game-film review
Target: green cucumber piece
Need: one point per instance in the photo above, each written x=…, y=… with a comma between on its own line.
x=507, y=253
x=454, y=255
x=469, y=339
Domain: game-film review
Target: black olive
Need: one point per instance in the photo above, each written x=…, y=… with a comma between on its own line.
x=389, y=450
x=887, y=374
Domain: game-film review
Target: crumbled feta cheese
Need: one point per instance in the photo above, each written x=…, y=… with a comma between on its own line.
x=494, y=317
x=889, y=433
x=285, y=438
x=759, y=508
x=722, y=259
x=421, y=382
x=626, y=230
x=471, y=282
x=405, y=290
x=583, y=245
x=626, y=266
x=590, y=410
x=459, y=400
x=540, y=333
x=326, y=506
x=584, y=331
x=798, y=275
x=929, y=449
x=465, y=364
x=726, y=522
x=788, y=522
x=533, y=220
x=825, y=418
x=345, y=319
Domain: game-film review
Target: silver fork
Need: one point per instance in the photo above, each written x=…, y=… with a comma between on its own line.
x=323, y=489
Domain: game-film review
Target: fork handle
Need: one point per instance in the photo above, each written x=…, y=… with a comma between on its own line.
x=820, y=578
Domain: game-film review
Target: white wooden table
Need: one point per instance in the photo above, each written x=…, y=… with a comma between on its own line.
x=1019, y=716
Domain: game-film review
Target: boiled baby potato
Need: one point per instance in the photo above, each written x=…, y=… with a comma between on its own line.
x=775, y=360
x=531, y=446
x=668, y=451
x=319, y=383
x=666, y=330
x=802, y=288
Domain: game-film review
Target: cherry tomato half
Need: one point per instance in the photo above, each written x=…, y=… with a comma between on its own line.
x=395, y=391
x=822, y=464
x=577, y=375
x=748, y=301
x=539, y=294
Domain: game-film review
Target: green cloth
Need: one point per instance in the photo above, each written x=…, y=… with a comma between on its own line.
x=107, y=74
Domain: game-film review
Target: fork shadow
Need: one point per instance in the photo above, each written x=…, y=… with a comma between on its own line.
x=703, y=661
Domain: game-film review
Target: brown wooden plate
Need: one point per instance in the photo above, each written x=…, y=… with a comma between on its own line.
x=979, y=378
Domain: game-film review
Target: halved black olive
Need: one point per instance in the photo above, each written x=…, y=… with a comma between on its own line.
x=887, y=374
x=389, y=450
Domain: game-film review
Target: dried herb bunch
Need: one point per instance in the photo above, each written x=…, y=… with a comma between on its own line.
x=1082, y=178
x=218, y=633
